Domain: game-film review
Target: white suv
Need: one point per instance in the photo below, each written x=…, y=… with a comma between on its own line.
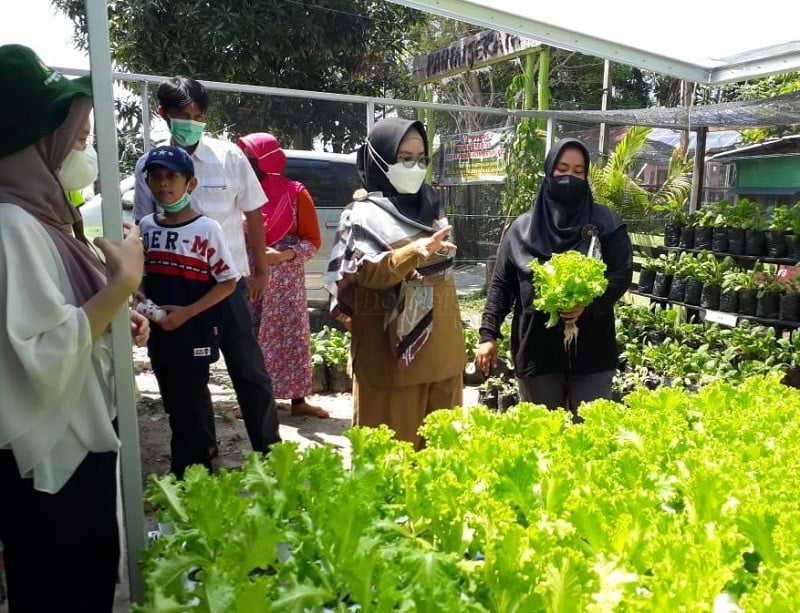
x=92, y=209
x=330, y=178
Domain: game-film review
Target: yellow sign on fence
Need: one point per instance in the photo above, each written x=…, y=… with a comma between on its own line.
x=474, y=157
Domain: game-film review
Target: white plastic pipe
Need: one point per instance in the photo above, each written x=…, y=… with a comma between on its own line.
x=107, y=152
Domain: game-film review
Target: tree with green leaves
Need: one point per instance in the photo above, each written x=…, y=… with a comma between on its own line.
x=576, y=82
x=768, y=87
x=342, y=46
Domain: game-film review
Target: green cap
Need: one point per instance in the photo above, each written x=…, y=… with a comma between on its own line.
x=34, y=100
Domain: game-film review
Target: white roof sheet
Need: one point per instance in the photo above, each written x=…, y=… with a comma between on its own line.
x=704, y=41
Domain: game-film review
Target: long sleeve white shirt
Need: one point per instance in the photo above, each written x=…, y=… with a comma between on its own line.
x=56, y=403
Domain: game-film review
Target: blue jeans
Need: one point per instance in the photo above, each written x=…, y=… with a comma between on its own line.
x=245, y=364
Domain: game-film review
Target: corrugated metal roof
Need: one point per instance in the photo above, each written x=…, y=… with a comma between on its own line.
x=787, y=145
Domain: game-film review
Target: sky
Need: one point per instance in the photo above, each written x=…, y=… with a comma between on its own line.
x=41, y=27
x=36, y=24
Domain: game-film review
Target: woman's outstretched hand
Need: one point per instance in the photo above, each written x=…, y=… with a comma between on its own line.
x=436, y=243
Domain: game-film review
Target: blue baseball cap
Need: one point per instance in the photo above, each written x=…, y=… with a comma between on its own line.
x=172, y=158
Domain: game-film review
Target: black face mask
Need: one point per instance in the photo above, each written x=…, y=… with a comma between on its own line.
x=567, y=189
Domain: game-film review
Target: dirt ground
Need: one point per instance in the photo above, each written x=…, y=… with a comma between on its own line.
x=154, y=429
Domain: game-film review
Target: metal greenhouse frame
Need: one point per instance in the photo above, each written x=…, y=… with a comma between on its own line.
x=509, y=15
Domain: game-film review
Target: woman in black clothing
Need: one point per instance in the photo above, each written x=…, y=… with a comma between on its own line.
x=564, y=217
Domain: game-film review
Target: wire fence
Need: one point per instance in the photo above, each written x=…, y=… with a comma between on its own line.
x=478, y=221
x=468, y=166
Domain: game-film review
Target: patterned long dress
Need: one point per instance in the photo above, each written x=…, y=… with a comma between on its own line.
x=281, y=320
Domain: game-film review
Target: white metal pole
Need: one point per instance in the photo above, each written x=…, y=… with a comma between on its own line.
x=370, y=115
x=602, y=147
x=145, y=116
x=107, y=152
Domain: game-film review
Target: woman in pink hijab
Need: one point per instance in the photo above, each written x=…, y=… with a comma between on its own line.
x=292, y=237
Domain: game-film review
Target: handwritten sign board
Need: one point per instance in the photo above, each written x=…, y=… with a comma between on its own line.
x=721, y=318
x=469, y=53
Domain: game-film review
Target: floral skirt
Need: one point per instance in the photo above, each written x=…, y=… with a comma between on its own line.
x=282, y=329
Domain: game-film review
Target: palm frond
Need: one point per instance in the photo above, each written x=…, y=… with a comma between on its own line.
x=678, y=183
x=627, y=149
x=611, y=183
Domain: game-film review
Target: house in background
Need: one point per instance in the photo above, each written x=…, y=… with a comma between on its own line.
x=767, y=172
x=717, y=179
x=655, y=155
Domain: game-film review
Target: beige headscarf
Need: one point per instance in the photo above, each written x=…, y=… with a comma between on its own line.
x=28, y=178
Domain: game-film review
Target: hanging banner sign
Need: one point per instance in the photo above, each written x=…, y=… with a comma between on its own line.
x=473, y=157
x=469, y=53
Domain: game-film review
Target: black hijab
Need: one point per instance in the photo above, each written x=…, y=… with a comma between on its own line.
x=385, y=138
x=557, y=227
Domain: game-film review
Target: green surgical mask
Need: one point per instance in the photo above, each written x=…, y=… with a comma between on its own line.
x=186, y=132
x=176, y=206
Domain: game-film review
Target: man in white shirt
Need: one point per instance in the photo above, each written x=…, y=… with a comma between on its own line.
x=227, y=191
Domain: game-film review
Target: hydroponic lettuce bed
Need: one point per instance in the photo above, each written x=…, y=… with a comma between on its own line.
x=673, y=501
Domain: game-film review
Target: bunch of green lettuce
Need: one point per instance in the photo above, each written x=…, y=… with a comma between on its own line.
x=567, y=280
x=671, y=502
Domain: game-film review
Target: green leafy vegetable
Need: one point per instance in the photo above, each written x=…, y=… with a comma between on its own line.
x=566, y=281
x=671, y=502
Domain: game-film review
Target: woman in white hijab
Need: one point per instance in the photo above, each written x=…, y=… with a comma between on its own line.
x=58, y=441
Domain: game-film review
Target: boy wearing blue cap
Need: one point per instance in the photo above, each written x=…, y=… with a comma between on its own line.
x=188, y=273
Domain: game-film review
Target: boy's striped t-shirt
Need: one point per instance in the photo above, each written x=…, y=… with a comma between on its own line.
x=182, y=263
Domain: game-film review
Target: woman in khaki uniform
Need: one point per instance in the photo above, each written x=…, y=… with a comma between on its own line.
x=391, y=280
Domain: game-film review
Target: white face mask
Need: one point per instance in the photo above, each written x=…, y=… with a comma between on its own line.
x=79, y=169
x=406, y=180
